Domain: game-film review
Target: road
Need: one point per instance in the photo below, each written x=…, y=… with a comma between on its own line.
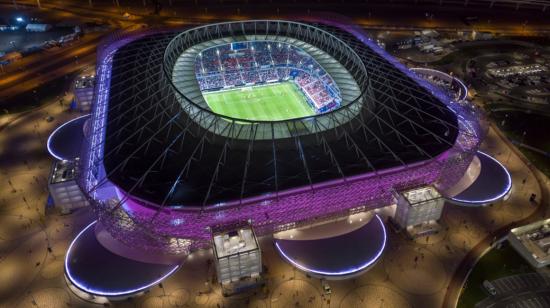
x=31, y=72
x=369, y=15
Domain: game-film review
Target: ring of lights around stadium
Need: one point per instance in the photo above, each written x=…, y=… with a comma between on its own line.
x=159, y=180
x=99, y=292
x=498, y=195
x=344, y=272
x=63, y=135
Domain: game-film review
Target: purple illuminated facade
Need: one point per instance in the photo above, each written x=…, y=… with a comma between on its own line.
x=174, y=230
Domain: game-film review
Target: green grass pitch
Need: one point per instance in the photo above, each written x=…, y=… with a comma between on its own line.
x=263, y=103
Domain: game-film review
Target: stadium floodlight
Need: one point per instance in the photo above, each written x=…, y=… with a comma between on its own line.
x=19, y=19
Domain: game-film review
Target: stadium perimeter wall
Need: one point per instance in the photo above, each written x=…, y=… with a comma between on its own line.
x=181, y=230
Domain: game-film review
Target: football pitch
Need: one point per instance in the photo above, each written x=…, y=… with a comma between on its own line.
x=263, y=103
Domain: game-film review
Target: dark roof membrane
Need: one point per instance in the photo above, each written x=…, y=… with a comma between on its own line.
x=159, y=154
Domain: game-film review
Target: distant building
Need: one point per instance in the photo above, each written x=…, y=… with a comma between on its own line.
x=418, y=210
x=532, y=242
x=63, y=186
x=38, y=27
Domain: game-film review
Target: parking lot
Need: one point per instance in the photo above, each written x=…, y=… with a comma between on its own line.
x=530, y=290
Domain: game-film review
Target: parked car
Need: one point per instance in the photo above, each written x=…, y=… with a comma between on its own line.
x=489, y=287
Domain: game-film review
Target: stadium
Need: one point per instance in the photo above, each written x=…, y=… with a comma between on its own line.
x=276, y=124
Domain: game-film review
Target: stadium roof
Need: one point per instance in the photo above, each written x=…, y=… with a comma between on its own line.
x=164, y=148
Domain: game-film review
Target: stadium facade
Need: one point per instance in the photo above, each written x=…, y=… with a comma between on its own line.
x=162, y=169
